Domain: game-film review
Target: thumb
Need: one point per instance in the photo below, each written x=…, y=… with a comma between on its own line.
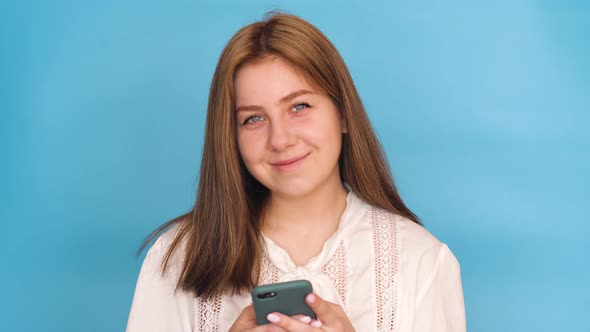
x=326, y=311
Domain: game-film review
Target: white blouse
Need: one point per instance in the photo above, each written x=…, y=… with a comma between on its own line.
x=387, y=273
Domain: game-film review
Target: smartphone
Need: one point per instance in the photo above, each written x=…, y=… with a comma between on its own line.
x=287, y=298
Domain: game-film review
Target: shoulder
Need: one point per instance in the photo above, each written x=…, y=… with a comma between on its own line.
x=411, y=238
x=428, y=275
x=421, y=257
x=414, y=243
x=158, y=252
x=158, y=305
x=414, y=238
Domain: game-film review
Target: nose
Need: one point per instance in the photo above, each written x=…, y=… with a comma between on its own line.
x=280, y=135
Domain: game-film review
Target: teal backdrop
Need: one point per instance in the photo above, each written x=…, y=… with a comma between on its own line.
x=483, y=108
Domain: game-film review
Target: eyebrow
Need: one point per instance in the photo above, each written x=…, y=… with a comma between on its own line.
x=283, y=100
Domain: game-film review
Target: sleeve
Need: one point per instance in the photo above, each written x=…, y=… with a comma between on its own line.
x=157, y=306
x=439, y=293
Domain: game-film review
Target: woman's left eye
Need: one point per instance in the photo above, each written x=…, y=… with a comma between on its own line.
x=300, y=107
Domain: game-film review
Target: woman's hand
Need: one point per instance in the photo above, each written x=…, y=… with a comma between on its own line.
x=331, y=317
x=246, y=322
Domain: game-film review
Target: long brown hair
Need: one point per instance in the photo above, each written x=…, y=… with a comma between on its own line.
x=221, y=236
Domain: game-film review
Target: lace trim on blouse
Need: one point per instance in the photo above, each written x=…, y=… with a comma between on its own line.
x=207, y=314
x=385, y=249
x=336, y=268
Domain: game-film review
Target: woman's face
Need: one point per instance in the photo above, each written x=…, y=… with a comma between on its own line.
x=289, y=134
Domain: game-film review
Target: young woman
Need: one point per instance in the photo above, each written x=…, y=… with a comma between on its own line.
x=294, y=185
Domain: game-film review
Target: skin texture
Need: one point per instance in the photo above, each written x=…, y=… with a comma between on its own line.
x=281, y=117
x=271, y=131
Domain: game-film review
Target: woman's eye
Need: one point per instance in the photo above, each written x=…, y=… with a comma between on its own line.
x=300, y=107
x=252, y=119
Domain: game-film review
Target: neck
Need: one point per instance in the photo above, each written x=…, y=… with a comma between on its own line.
x=319, y=209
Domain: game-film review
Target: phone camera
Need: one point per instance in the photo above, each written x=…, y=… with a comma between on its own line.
x=266, y=295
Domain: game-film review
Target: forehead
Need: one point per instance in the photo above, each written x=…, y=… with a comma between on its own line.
x=267, y=81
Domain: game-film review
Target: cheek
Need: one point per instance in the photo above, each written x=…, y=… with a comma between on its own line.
x=249, y=148
x=322, y=133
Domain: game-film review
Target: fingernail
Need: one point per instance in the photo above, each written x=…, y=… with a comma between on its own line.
x=273, y=318
x=316, y=323
x=311, y=298
x=305, y=319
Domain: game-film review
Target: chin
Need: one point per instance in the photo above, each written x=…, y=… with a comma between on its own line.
x=294, y=188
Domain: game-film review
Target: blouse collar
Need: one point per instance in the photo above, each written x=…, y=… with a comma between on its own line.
x=348, y=219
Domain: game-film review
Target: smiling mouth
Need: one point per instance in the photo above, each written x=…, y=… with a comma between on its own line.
x=289, y=161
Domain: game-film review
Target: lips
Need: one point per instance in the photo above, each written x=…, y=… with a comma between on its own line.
x=289, y=161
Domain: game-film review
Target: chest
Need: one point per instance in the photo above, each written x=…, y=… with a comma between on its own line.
x=301, y=249
x=360, y=274
x=303, y=243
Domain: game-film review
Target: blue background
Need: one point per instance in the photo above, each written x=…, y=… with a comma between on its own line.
x=483, y=108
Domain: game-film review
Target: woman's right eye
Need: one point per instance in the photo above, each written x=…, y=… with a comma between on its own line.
x=252, y=119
